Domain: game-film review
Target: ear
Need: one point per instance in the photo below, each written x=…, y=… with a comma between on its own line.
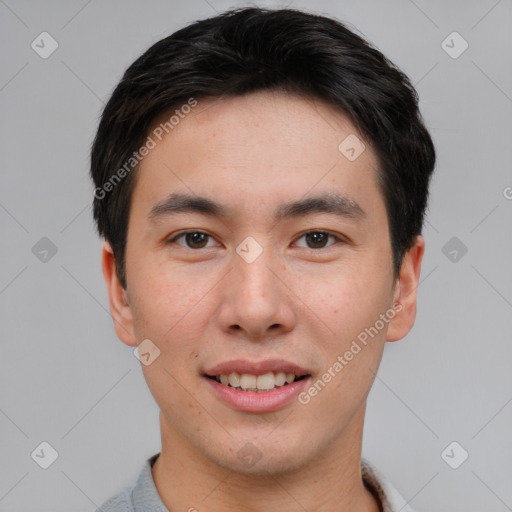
x=120, y=308
x=406, y=292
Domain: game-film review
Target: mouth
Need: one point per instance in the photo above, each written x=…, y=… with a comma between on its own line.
x=257, y=387
x=264, y=383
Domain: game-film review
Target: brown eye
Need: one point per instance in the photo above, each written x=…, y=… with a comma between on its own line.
x=317, y=239
x=193, y=239
x=196, y=240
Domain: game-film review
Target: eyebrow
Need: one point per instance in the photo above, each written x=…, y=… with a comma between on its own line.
x=332, y=203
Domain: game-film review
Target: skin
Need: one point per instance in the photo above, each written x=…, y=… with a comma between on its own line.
x=203, y=306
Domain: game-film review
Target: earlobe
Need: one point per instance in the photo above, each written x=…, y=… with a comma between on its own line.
x=118, y=298
x=406, y=291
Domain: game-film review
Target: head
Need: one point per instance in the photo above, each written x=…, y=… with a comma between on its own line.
x=296, y=153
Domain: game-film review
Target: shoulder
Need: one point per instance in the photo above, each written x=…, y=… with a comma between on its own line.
x=140, y=497
x=121, y=502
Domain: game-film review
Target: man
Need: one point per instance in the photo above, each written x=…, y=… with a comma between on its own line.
x=261, y=180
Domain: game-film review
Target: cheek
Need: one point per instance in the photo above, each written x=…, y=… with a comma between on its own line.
x=353, y=297
x=350, y=304
x=168, y=307
x=173, y=316
x=351, y=353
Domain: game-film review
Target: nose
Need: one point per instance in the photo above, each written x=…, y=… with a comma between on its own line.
x=255, y=302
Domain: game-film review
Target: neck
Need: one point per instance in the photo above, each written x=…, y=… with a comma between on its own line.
x=331, y=482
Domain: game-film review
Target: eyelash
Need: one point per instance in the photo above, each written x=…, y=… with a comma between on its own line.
x=184, y=233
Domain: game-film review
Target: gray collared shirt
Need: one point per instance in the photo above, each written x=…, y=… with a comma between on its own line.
x=144, y=497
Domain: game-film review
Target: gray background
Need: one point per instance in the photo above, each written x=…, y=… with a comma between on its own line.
x=66, y=378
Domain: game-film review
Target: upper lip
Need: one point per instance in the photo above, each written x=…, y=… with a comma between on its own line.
x=256, y=367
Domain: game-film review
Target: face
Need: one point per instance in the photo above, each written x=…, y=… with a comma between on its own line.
x=259, y=255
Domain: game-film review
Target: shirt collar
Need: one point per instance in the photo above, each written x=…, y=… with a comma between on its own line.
x=388, y=497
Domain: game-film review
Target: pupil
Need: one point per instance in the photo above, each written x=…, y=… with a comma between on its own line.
x=317, y=239
x=196, y=239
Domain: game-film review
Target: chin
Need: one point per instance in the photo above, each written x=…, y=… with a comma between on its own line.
x=263, y=457
x=263, y=465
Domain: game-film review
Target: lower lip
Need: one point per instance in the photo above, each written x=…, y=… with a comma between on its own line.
x=251, y=401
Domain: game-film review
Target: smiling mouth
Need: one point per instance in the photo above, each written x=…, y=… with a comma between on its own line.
x=256, y=383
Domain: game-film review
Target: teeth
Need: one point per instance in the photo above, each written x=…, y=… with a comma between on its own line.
x=265, y=381
x=280, y=379
x=248, y=382
x=234, y=380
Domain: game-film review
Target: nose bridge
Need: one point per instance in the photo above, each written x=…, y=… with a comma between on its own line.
x=252, y=278
x=254, y=299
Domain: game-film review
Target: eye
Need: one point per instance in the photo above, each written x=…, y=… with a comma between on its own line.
x=193, y=239
x=317, y=239
x=200, y=240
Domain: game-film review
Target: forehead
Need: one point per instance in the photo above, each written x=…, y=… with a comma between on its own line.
x=287, y=120
x=261, y=145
